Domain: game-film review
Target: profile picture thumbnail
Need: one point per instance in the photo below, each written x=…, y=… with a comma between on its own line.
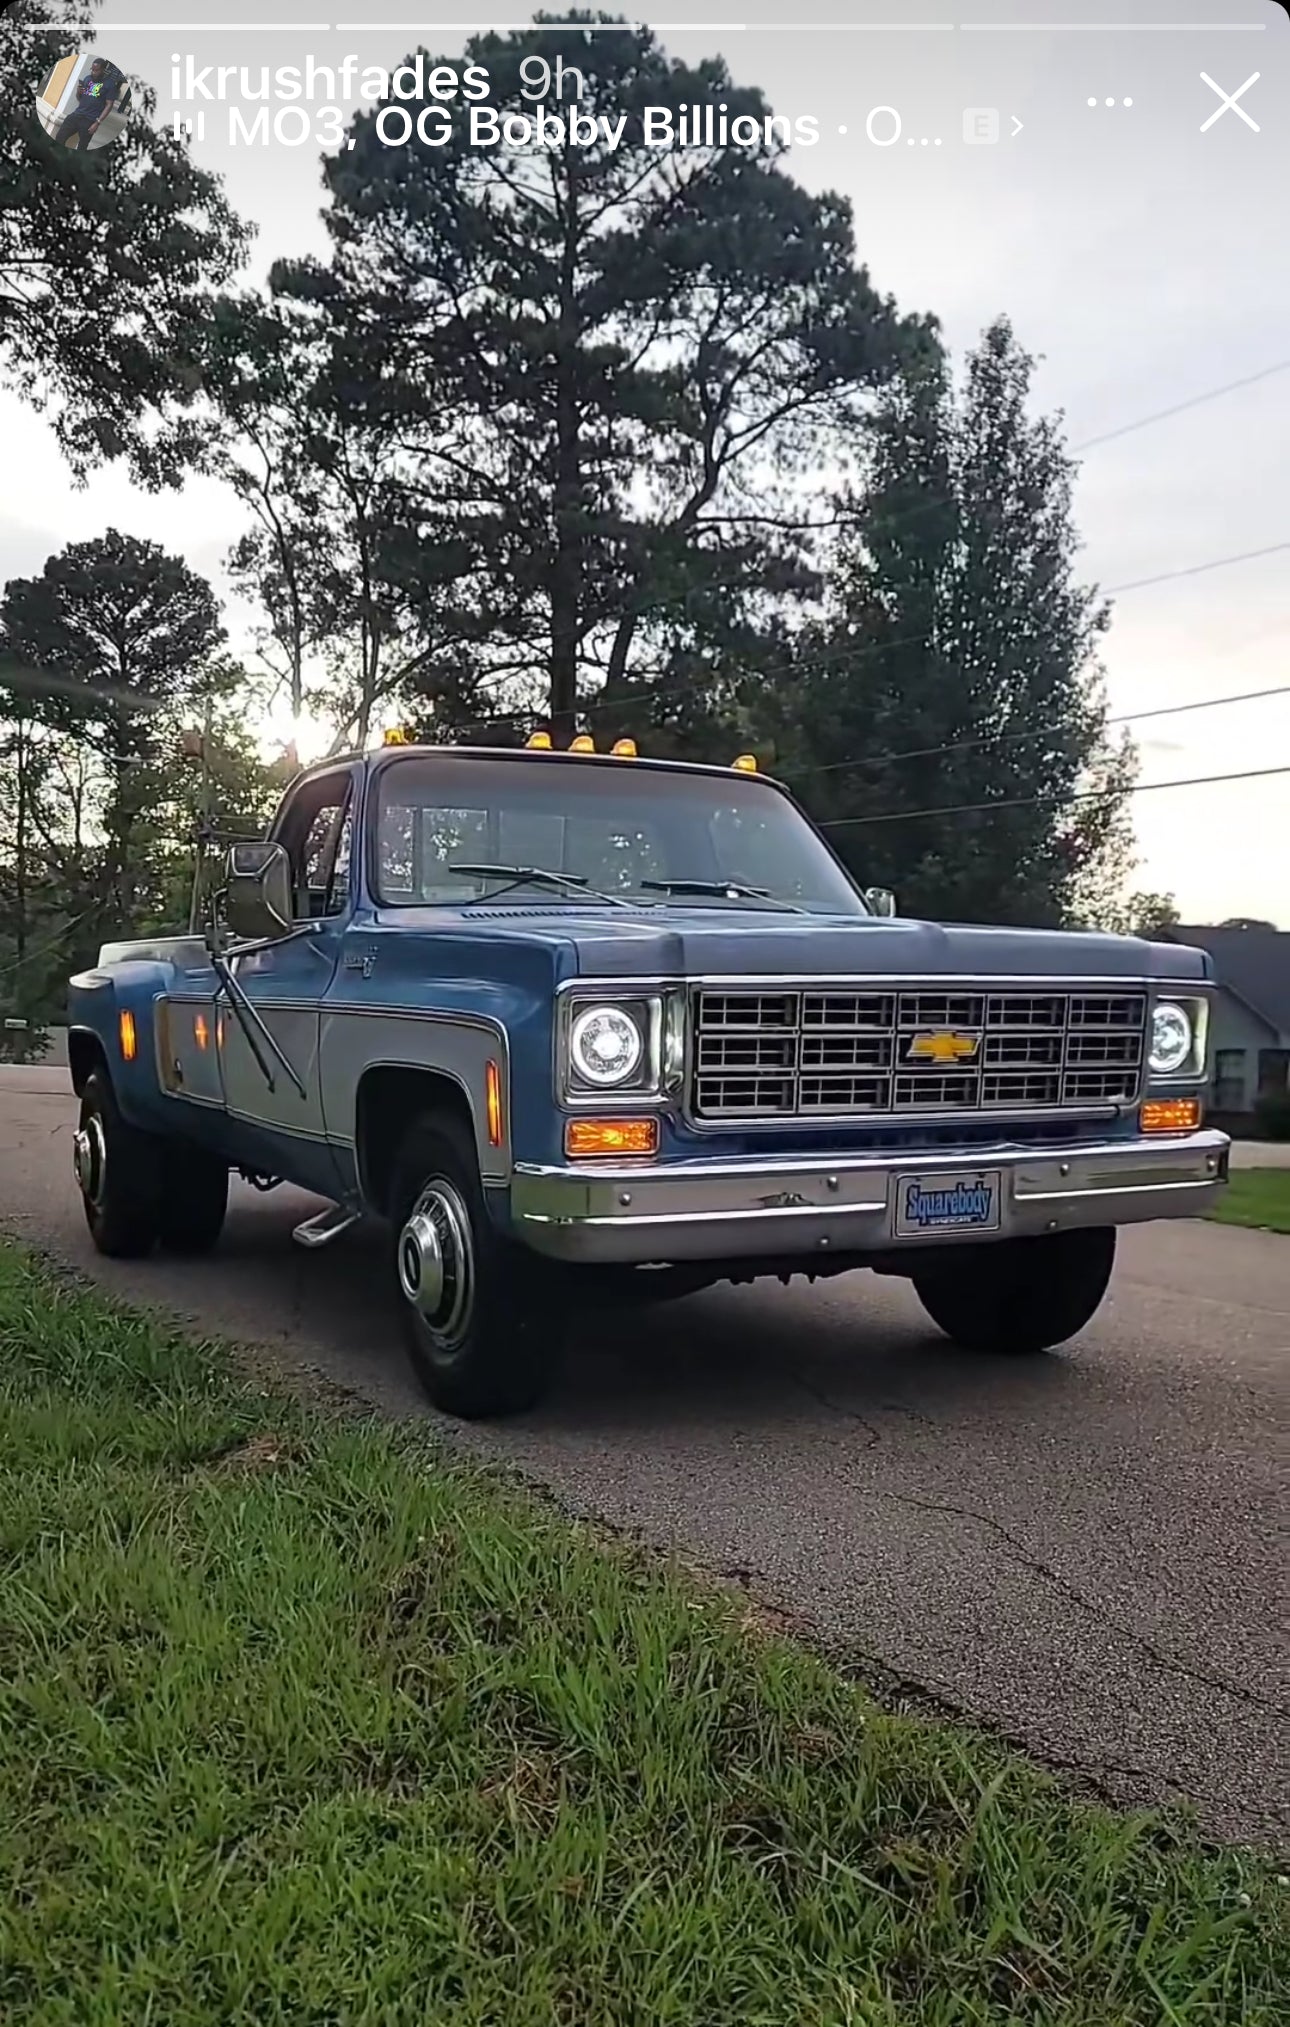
x=83, y=102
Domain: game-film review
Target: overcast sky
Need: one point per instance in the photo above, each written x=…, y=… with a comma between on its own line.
x=1142, y=259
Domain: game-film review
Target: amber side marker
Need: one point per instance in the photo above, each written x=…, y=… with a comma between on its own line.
x=587, y=1138
x=1170, y=1115
x=129, y=1040
x=493, y=1102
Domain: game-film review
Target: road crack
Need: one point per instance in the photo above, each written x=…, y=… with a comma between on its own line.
x=1026, y=1559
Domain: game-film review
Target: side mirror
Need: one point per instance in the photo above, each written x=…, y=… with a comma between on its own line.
x=880, y=900
x=257, y=898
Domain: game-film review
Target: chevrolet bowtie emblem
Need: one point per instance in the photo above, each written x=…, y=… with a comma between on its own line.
x=942, y=1045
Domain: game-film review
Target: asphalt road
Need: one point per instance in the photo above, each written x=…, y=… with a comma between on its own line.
x=1085, y=1552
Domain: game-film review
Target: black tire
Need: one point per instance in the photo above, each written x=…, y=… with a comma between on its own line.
x=119, y=1172
x=483, y=1334
x=1021, y=1296
x=194, y=1199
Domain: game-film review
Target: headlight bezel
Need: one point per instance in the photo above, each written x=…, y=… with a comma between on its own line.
x=1191, y=1067
x=657, y=1071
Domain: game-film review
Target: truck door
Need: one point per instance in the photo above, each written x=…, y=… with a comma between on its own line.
x=286, y=982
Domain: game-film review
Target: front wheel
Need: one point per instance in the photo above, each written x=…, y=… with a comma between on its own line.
x=1020, y=1296
x=118, y=1169
x=481, y=1329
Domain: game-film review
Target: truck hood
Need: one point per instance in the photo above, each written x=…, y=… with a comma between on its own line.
x=715, y=943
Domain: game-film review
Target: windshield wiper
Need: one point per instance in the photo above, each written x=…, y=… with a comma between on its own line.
x=722, y=890
x=533, y=876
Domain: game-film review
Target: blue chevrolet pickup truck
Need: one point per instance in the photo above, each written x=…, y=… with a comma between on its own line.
x=583, y=1027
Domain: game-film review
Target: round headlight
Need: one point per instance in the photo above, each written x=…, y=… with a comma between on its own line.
x=1171, y=1038
x=605, y=1045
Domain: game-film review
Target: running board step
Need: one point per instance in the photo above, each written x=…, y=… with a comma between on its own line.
x=325, y=1226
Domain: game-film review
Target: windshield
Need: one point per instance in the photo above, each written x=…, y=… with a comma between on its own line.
x=452, y=830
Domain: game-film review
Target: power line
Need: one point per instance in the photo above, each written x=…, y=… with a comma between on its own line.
x=1030, y=801
x=1196, y=569
x=1007, y=738
x=1180, y=407
x=944, y=500
x=44, y=949
x=831, y=655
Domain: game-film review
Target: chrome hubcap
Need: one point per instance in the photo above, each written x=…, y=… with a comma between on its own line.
x=89, y=1158
x=436, y=1261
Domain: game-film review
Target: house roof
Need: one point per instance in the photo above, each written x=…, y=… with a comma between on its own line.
x=1252, y=963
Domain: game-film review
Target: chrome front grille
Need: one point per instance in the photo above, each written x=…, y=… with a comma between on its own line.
x=829, y=1052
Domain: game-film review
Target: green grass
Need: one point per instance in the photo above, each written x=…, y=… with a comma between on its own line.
x=302, y=1721
x=1256, y=1196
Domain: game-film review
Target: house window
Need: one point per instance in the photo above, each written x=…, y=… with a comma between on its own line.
x=1274, y=1072
x=1229, y=1080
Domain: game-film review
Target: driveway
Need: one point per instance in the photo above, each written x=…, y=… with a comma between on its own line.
x=1080, y=1551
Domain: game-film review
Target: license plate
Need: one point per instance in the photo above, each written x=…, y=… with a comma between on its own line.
x=948, y=1203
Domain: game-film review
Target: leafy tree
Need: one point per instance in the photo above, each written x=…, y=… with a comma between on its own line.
x=212, y=788
x=1134, y=914
x=127, y=635
x=107, y=262
x=947, y=716
x=355, y=602
x=614, y=371
x=1148, y=914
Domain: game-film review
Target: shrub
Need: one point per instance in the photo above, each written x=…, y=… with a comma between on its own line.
x=1272, y=1110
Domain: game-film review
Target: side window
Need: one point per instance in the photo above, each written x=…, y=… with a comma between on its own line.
x=338, y=886
x=316, y=831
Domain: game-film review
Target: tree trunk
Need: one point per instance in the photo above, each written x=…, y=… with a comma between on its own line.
x=20, y=856
x=567, y=570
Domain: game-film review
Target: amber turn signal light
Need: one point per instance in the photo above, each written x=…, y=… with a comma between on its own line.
x=588, y=1138
x=128, y=1040
x=1170, y=1115
x=493, y=1102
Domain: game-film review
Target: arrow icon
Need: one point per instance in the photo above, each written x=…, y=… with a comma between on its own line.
x=1016, y=126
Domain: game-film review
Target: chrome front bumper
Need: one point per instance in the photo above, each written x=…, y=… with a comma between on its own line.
x=778, y=1205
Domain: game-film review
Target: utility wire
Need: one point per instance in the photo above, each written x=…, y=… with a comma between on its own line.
x=1008, y=738
x=1197, y=569
x=1029, y=801
x=830, y=656
x=943, y=500
x=43, y=949
x=1180, y=407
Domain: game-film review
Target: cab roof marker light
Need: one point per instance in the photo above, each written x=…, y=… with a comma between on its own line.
x=539, y=741
x=584, y=743
x=745, y=764
x=624, y=749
